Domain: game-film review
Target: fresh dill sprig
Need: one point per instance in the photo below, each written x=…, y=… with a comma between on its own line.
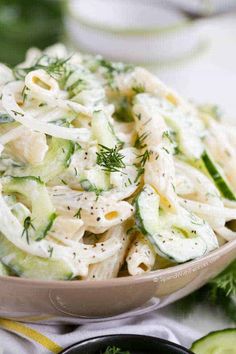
x=140, y=166
x=50, y=251
x=112, y=69
x=55, y=67
x=144, y=157
x=78, y=214
x=27, y=225
x=115, y=350
x=140, y=141
x=110, y=159
x=167, y=135
x=77, y=86
x=138, y=89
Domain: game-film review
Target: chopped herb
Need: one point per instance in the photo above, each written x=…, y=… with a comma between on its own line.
x=144, y=157
x=115, y=350
x=138, y=89
x=42, y=104
x=24, y=93
x=110, y=159
x=167, y=135
x=78, y=214
x=140, y=172
x=123, y=110
x=139, y=142
x=17, y=113
x=64, y=182
x=57, y=68
x=167, y=151
x=111, y=70
x=50, y=251
x=78, y=86
x=77, y=147
x=27, y=225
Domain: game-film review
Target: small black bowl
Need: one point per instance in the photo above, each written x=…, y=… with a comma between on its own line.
x=135, y=344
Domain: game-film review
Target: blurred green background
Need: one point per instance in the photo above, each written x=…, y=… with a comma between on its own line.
x=26, y=23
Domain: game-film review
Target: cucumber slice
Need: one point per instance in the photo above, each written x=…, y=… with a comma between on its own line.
x=178, y=237
x=103, y=130
x=36, y=194
x=219, y=342
x=219, y=179
x=56, y=160
x=147, y=211
x=28, y=266
x=4, y=270
x=97, y=177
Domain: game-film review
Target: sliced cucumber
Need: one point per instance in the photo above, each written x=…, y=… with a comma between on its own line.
x=219, y=342
x=28, y=266
x=177, y=237
x=219, y=179
x=147, y=211
x=4, y=270
x=97, y=177
x=103, y=130
x=36, y=194
x=56, y=161
x=20, y=211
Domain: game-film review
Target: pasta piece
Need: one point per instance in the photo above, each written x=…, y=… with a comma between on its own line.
x=97, y=213
x=30, y=147
x=141, y=256
x=222, y=149
x=159, y=167
x=24, y=118
x=66, y=229
x=109, y=268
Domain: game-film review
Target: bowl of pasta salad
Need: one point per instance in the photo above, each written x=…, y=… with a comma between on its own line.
x=114, y=189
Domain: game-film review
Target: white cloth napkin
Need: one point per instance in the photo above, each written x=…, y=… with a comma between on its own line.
x=164, y=323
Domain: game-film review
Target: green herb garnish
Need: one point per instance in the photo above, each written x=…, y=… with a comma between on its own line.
x=138, y=89
x=27, y=225
x=115, y=350
x=78, y=214
x=140, y=141
x=50, y=251
x=57, y=68
x=110, y=159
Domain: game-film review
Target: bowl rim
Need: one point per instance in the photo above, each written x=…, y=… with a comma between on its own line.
x=154, y=275
x=126, y=31
x=126, y=336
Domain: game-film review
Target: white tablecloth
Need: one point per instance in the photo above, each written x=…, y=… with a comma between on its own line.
x=164, y=323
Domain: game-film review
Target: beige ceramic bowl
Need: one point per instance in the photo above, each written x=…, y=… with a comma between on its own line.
x=85, y=301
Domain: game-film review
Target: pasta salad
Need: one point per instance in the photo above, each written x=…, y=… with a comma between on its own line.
x=105, y=171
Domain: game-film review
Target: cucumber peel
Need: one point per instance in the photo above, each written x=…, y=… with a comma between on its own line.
x=220, y=181
x=36, y=194
x=219, y=342
x=178, y=237
x=28, y=266
x=55, y=162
